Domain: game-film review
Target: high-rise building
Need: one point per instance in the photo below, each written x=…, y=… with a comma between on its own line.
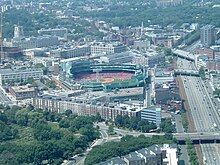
x=207, y=36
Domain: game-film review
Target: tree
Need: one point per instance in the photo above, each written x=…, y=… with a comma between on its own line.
x=6, y=132
x=166, y=126
x=98, y=117
x=134, y=123
x=168, y=52
x=216, y=92
x=202, y=72
x=64, y=123
x=68, y=112
x=111, y=129
x=42, y=131
x=7, y=157
x=192, y=152
x=22, y=117
x=30, y=107
x=39, y=65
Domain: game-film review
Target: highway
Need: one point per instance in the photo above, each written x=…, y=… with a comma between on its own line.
x=204, y=113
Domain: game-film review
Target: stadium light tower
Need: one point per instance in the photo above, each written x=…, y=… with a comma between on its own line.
x=147, y=88
x=97, y=70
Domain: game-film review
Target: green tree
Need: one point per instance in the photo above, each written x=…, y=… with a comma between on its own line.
x=42, y=131
x=167, y=52
x=111, y=129
x=166, y=126
x=68, y=112
x=22, y=117
x=216, y=92
x=202, y=72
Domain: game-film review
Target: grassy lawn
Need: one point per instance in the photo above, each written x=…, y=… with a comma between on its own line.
x=184, y=120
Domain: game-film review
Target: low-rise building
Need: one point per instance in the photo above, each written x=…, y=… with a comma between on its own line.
x=59, y=32
x=134, y=158
x=107, y=48
x=35, y=42
x=201, y=61
x=7, y=75
x=142, y=45
x=151, y=114
x=213, y=65
x=215, y=80
x=23, y=92
x=163, y=77
x=165, y=154
x=113, y=161
x=66, y=53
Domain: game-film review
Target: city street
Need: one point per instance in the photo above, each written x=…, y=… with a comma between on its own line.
x=4, y=98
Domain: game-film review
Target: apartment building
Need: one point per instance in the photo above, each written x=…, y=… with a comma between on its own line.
x=107, y=111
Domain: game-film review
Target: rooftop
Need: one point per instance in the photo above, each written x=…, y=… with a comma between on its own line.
x=134, y=156
x=25, y=88
x=11, y=71
x=114, y=161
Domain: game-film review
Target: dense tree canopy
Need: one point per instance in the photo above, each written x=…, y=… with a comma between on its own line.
x=126, y=145
x=134, y=123
x=29, y=136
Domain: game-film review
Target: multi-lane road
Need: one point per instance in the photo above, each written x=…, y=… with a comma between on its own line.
x=3, y=98
x=204, y=112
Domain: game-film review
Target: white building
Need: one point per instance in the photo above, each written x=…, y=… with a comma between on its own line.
x=35, y=42
x=72, y=52
x=171, y=154
x=152, y=114
x=19, y=75
x=59, y=32
x=140, y=45
x=201, y=61
x=107, y=48
x=215, y=80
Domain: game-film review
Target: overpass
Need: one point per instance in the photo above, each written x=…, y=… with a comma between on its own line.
x=183, y=54
x=198, y=138
x=186, y=72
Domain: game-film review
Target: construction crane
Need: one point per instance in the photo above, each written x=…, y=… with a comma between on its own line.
x=1, y=41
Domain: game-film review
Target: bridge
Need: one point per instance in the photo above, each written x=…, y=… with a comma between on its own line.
x=198, y=138
x=183, y=54
x=186, y=72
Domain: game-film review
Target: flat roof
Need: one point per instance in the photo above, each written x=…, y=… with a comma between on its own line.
x=10, y=71
x=23, y=89
x=72, y=59
x=121, y=92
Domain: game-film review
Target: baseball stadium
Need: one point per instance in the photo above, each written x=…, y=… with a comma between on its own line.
x=105, y=76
